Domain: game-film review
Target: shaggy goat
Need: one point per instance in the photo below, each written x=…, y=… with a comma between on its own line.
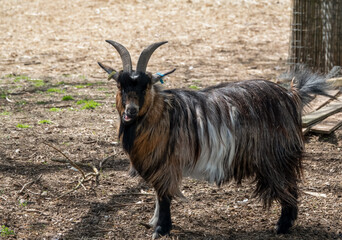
x=248, y=129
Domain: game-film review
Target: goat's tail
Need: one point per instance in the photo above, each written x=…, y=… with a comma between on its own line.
x=308, y=84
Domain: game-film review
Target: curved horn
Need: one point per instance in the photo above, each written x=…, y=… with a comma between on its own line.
x=145, y=56
x=124, y=54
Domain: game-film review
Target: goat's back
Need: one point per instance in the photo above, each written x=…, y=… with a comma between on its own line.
x=237, y=130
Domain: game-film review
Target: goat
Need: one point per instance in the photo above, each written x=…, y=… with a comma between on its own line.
x=231, y=131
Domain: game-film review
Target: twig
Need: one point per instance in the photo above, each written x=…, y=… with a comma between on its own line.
x=71, y=162
x=84, y=179
x=97, y=175
x=315, y=194
x=36, y=211
x=66, y=161
x=2, y=197
x=30, y=183
x=70, y=191
x=117, y=204
x=105, y=160
x=146, y=225
x=61, y=106
x=9, y=100
x=139, y=194
x=33, y=192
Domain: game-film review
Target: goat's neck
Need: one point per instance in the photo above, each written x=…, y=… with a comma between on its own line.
x=147, y=127
x=155, y=110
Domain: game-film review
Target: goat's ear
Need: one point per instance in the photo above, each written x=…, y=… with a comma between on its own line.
x=112, y=73
x=155, y=78
x=159, y=76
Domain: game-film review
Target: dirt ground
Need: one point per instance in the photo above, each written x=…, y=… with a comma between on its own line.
x=49, y=50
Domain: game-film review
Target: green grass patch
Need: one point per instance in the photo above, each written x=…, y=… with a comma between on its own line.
x=4, y=113
x=44, y=122
x=18, y=78
x=37, y=82
x=54, y=90
x=23, y=126
x=3, y=95
x=21, y=77
x=91, y=105
x=88, y=104
x=55, y=109
x=5, y=231
x=194, y=87
x=61, y=83
x=82, y=101
x=67, y=98
x=84, y=85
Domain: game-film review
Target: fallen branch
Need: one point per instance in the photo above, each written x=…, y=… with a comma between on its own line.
x=130, y=194
x=61, y=160
x=71, y=162
x=80, y=183
x=30, y=183
x=105, y=160
x=85, y=177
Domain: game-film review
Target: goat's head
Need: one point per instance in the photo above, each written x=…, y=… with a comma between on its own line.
x=135, y=93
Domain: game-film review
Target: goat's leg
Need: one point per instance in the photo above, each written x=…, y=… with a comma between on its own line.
x=154, y=220
x=288, y=215
x=164, y=223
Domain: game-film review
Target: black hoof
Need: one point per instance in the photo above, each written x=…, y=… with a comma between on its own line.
x=159, y=231
x=287, y=219
x=283, y=227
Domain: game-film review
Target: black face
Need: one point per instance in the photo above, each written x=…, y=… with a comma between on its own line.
x=133, y=91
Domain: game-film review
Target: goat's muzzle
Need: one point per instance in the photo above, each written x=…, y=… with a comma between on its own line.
x=130, y=114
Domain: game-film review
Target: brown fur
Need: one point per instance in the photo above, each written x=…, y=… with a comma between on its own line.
x=148, y=155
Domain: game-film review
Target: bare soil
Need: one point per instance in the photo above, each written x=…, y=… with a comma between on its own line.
x=55, y=45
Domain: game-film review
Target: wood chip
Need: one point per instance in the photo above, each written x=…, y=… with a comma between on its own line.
x=316, y=194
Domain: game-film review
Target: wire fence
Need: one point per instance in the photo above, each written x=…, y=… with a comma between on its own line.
x=316, y=38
